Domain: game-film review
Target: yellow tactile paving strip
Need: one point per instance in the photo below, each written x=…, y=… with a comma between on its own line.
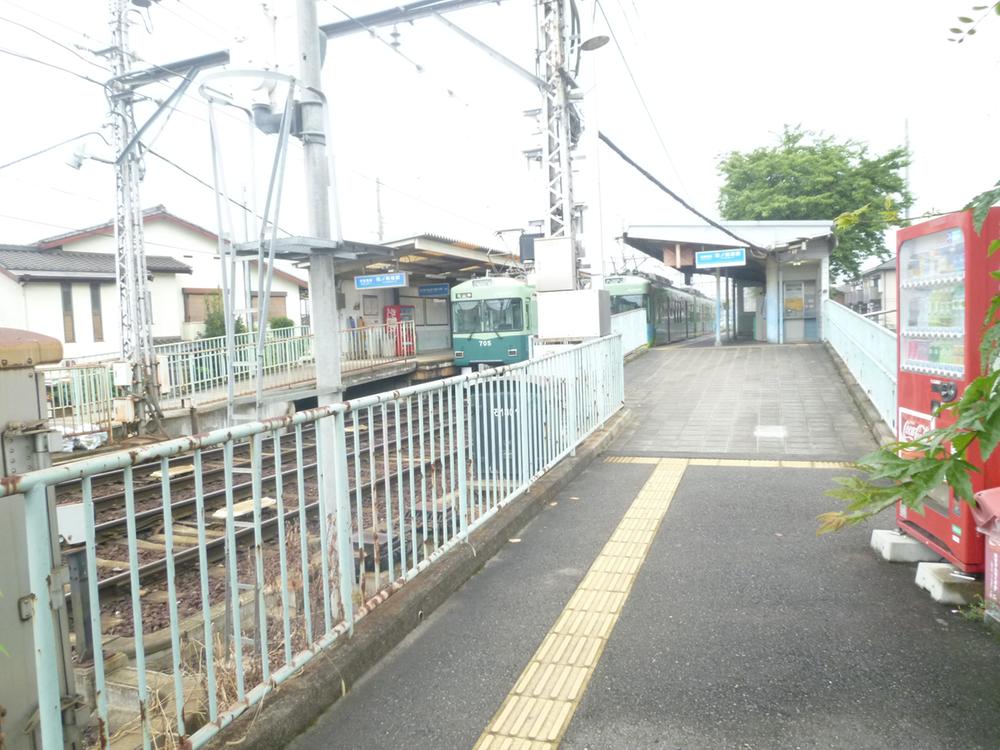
x=631, y=460
x=537, y=711
x=752, y=463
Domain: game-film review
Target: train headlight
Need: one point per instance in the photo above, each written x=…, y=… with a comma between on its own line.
x=459, y=355
x=512, y=352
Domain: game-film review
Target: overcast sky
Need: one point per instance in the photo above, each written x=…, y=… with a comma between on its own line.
x=715, y=77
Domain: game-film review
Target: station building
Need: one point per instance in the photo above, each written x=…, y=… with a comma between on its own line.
x=778, y=295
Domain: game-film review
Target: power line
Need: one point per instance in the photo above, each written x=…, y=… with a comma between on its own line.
x=52, y=21
x=638, y=91
x=195, y=11
x=53, y=65
x=630, y=161
x=54, y=41
x=47, y=149
x=199, y=27
x=204, y=183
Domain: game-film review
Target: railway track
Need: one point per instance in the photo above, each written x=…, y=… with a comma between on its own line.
x=113, y=532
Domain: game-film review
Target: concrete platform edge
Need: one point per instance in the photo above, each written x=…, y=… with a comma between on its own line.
x=299, y=702
x=879, y=429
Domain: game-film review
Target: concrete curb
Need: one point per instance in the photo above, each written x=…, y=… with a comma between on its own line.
x=873, y=420
x=299, y=702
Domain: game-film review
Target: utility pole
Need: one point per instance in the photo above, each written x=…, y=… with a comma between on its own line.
x=557, y=141
x=130, y=256
x=324, y=223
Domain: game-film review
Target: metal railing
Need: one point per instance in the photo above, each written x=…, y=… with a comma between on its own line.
x=885, y=318
x=632, y=326
x=870, y=353
x=358, y=498
x=375, y=345
x=80, y=399
x=196, y=371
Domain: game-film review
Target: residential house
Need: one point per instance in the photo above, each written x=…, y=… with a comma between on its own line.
x=198, y=249
x=72, y=296
x=875, y=291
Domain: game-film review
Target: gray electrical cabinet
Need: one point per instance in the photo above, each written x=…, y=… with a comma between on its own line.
x=25, y=442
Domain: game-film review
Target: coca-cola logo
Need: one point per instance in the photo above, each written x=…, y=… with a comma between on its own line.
x=912, y=429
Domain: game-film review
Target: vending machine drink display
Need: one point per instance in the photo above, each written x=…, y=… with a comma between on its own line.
x=395, y=316
x=943, y=273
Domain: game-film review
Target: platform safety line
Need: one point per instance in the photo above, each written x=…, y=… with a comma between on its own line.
x=751, y=463
x=536, y=713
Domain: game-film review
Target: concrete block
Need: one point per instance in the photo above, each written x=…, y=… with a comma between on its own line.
x=944, y=586
x=895, y=546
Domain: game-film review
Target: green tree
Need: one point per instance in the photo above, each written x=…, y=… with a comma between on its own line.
x=215, y=319
x=809, y=176
x=280, y=321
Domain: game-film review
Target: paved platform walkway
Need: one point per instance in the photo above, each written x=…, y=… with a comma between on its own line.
x=668, y=602
x=748, y=400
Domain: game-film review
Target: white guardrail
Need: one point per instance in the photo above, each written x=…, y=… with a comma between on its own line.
x=633, y=329
x=870, y=353
x=355, y=499
x=194, y=373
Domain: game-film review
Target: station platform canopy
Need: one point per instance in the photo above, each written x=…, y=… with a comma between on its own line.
x=675, y=245
x=425, y=256
x=433, y=257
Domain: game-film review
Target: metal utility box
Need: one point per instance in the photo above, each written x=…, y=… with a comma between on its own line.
x=512, y=422
x=555, y=264
x=579, y=314
x=24, y=437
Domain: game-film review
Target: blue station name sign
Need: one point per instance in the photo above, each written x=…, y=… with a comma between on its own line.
x=381, y=281
x=728, y=258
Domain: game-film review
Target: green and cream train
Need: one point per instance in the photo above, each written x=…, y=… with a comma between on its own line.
x=671, y=314
x=493, y=320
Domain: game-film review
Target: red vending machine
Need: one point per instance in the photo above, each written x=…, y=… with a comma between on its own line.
x=943, y=291
x=395, y=316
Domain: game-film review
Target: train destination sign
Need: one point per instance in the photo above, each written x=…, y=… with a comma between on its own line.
x=728, y=258
x=380, y=281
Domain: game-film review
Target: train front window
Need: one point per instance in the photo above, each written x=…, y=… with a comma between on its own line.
x=503, y=315
x=624, y=302
x=488, y=316
x=467, y=316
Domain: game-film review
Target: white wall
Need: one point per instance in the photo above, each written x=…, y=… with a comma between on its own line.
x=200, y=252
x=12, y=308
x=353, y=304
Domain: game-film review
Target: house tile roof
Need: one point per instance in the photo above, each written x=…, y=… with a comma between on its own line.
x=22, y=261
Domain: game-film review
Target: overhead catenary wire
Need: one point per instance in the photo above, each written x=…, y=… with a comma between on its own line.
x=418, y=67
x=638, y=91
x=753, y=247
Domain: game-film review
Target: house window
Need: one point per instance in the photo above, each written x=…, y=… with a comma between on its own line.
x=197, y=302
x=95, y=311
x=69, y=334
x=276, y=307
